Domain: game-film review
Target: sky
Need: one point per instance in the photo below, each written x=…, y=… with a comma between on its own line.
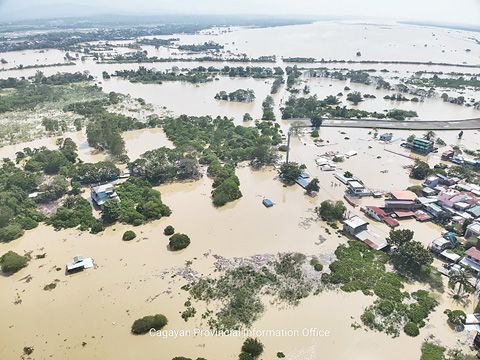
x=442, y=11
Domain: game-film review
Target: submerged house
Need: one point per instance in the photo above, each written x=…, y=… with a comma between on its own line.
x=380, y=215
x=473, y=230
x=100, y=194
x=403, y=200
x=79, y=264
x=358, y=228
x=472, y=259
x=447, y=241
x=387, y=137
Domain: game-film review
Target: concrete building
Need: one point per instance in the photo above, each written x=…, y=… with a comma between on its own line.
x=354, y=225
x=422, y=146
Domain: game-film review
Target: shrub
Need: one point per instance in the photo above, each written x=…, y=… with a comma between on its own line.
x=245, y=356
x=143, y=325
x=128, y=235
x=456, y=317
x=169, y=230
x=280, y=355
x=411, y=329
x=11, y=262
x=432, y=352
x=179, y=242
x=11, y=232
x=97, y=227
x=253, y=347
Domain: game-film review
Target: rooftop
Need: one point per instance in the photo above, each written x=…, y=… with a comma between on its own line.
x=355, y=184
x=355, y=221
x=377, y=210
x=404, y=195
x=473, y=252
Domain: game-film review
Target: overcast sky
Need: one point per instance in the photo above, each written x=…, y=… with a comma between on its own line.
x=460, y=11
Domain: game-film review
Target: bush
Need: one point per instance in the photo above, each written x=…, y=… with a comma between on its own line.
x=432, y=352
x=245, y=356
x=456, y=317
x=280, y=355
x=11, y=262
x=411, y=329
x=97, y=227
x=129, y=235
x=11, y=232
x=331, y=211
x=253, y=347
x=143, y=325
x=179, y=242
x=169, y=230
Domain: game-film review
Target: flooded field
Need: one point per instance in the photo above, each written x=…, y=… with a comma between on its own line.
x=88, y=315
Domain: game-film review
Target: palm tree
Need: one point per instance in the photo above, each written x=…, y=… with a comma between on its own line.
x=462, y=279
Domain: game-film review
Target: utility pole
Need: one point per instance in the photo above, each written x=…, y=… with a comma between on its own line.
x=288, y=143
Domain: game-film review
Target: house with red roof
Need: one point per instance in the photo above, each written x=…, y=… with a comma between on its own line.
x=472, y=259
x=380, y=215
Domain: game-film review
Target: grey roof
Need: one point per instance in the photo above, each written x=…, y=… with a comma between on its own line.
x=355, y=221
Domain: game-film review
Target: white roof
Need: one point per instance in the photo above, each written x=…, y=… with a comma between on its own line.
x=79, y=262
x=475, y=227
x=355, y=184
x=355, y=221
x=440, y=241
x=450, y=256
x=351, y=153
x=103, y=188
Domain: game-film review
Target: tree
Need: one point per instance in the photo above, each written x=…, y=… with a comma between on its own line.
x=460, y=280
x=410, y=138
x=348, y=174
x=411, y=329
x=129, y=235
x=179, y=242
x=411, y=257
x=91, y=173
x=11, y=262
x=54, y=190
x=456, y=317
x=227, y=191
x=429, y=135
x=143, y=325
x=355, y=97
x=331, y=211
x=289, y=172
x=111, y=211
x=400, y=237
x=312, y=186
x=253, y=347
x=169, y=230
x=316, y=121
x=247, y=117
x=420, y=170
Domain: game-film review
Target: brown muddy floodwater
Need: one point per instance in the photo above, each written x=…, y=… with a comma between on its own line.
x=88, y=315
x=134, y=279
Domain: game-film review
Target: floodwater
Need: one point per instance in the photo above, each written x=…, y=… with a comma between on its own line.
x=89, y=314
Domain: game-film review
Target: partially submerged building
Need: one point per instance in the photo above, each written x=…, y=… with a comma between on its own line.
x=79, y=264
x=101, y=193
x=472, y=259
x=358, y=228
x=421, y=146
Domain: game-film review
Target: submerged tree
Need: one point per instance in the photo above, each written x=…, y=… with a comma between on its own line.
x=461, y=280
